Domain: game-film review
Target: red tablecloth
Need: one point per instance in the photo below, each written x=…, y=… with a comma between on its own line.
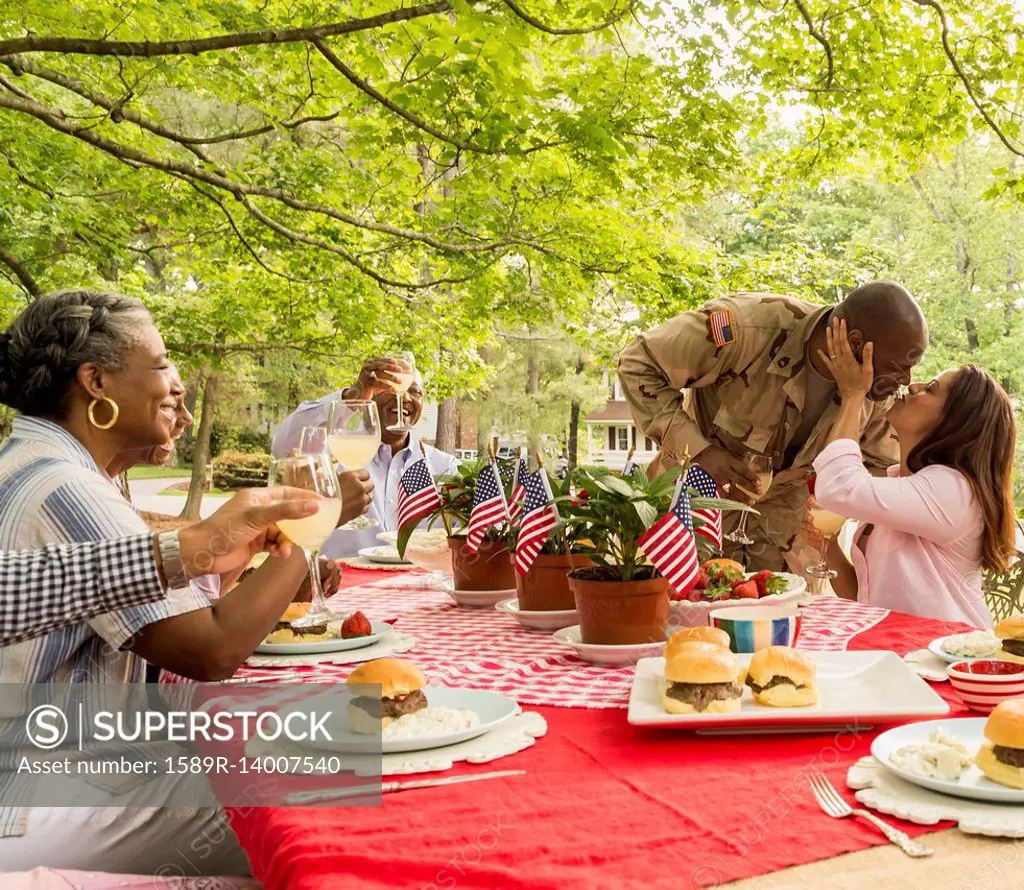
x=603, y=805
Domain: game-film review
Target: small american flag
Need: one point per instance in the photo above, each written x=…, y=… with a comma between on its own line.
x=540, y=516
x=700, y=479
x=417, y=493
x=515, y=501
x=489, y=507
x=670, y=544
x=630, y=465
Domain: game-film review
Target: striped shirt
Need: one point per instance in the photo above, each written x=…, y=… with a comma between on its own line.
x=52, y=492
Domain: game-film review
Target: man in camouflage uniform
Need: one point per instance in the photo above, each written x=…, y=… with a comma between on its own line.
x=743, y=374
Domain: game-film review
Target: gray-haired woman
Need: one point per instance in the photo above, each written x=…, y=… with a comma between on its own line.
x=90, y=375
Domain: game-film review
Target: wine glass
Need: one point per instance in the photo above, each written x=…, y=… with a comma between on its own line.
x=353, y=440
x=761, y=464
x=313, y=472
x=828, y=525
x=405, y=380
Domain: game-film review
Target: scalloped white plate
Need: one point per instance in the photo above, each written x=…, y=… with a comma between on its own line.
x=935, y=647
x=689, y=614
x=387, y=555
x=380, y=630
x=610, y=656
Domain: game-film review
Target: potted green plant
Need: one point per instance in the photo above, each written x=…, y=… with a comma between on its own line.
x=487, y=569
x=545, y=587
x=622, y=598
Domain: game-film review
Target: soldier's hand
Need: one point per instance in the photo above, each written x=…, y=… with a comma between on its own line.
x=729, y=471
x=356, y=494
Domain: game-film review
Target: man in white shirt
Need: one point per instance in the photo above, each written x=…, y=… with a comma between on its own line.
x=396, y=450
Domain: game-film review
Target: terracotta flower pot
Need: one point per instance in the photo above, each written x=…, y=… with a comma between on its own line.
x=618, y=613
x=487, y=569
x=545, y=588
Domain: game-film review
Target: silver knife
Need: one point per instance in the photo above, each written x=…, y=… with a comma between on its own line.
x=295, y=675
x=301, y=797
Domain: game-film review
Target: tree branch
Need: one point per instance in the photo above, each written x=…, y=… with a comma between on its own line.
x=955, y=62
x=147, y=49
x=548, y=29
x=822, y=39
x=23, y=275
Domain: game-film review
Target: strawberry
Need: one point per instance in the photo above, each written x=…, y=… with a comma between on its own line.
x=811, y=478
x=703, y=582
x=745, y=590
x=717, y=593
x=769, y=583
x=356, y=625
x=695, y=595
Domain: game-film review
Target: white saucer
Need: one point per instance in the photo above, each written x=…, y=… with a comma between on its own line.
x=935, y=647
x=553, y=620
x=385, y=555
x=613, y=656
x=478, y=599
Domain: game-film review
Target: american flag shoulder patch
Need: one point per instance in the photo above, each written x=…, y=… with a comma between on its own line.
x=722, y=331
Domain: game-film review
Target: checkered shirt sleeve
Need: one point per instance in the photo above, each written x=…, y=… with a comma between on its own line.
x=64, y=584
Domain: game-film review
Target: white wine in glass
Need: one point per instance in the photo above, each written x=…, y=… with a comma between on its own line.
x=353, y=439
x=828, y=524
x=404, y=381
x=312, y=472
x=761, y=464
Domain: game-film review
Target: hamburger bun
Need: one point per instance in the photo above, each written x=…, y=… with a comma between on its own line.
x=701, y=667
x=1011, y=628
x=1003, y=655
x=784, y=661
x=362, y=722
x=395, y=676
x=721, y=706
x=714, y=635
x=1005, y=727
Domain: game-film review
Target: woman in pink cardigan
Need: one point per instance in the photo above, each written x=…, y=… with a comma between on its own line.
x=944, y=513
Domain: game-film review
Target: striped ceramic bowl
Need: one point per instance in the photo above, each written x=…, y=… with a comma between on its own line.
x=984, y=684
x=751, y=629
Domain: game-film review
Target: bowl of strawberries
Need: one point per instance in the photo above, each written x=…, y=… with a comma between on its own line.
x=722, y=583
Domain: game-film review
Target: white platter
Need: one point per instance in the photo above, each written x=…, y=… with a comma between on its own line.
x=492, y=709
x=479, y=599
x=553, y=620
x=610, y=656
x=856, y=688
x=387, y=555
x=935, y=647
x=687, y=614
x=972, y=784
x=380, y=630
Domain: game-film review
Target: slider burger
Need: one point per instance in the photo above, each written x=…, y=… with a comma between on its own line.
x=701, y=682
x=710, y=635
x=1011, y=632
x=781, y=677
x=283, y=631
x=1001, y=756
x=401, y=688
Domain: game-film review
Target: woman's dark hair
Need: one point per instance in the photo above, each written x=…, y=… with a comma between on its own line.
x=977, y=435
x=41, y=351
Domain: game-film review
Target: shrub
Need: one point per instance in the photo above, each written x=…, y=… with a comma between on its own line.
x=238, y=469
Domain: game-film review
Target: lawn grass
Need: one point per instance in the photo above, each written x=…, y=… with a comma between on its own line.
x=215, y=492
x=147, y=472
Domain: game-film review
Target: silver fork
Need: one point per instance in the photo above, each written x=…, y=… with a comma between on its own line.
x=834, y=805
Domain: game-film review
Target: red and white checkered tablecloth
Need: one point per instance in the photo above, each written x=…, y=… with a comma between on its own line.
x=484, y=649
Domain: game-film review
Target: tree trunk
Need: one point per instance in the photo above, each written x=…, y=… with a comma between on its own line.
x=574, y=424
x=201, y=455
x=532, y=388
x=444, y=436
x=191, y=397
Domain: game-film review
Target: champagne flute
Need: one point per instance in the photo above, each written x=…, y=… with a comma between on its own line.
x=828, y=525
x=405, y=379
x=313, y=472
x=761, y=464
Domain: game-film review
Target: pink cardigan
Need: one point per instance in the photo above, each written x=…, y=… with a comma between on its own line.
x=924, y=555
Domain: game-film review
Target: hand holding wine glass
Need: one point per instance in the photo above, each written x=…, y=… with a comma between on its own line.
x=763, y=470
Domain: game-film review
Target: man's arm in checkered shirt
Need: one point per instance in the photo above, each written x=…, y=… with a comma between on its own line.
x=59, y=585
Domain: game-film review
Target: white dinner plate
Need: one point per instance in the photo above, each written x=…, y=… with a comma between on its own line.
x=689, y=614
x=972, y=784
x=611, y=656
x=855, y=689
x=492, y=708
x=935, y=647
x=551, y=620
x=479, y=599
x=380, y=630
x=387, y=555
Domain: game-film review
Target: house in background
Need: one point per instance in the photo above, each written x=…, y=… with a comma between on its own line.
x=611, y=431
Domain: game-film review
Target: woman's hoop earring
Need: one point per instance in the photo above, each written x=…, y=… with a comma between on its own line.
x=92, y=413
